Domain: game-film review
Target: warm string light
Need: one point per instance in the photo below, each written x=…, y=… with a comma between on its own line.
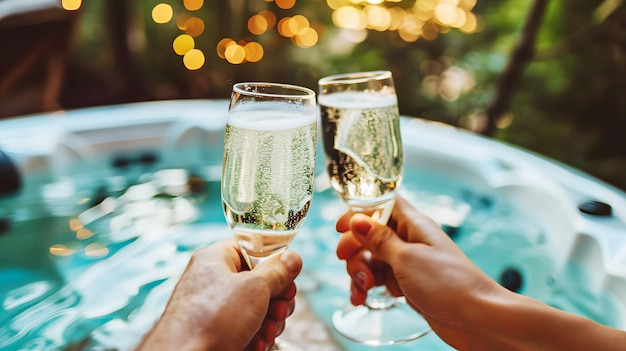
x=425, y=19
x=297, y=28
x=193, y=5
x=71, y=5
x=184, y=44
x=162, y=13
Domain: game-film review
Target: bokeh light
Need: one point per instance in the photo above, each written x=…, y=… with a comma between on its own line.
x=348, y=17
x=253, y=51
x=476, y=121
x=222, y=45
x=285, y=4
x=354, y=36
x=334, y=4
x=505, y=121
x=183, y=44
x=377, y=17
x=423, y=19
x=283, y=27
x=194, y=26
x=162, y=13
x=257, y=24
x=71, y=5
x=445, y=80
x=181, y=19
x=445, y=13
x=470, y=25
x=410, y=30
x=193, y=5
x=235, y=54
x=298, y=24
x=193, y=59
x=409, y=21
x=306, y=38
x=269, y=16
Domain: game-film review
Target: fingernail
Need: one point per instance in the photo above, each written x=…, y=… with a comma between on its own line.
x=362, y=228
x=290, y=259
x=360, y=279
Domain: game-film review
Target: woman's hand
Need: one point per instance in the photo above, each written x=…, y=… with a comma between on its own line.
x=414, y=258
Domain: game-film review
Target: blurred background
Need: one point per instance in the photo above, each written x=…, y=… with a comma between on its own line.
x=549, y=76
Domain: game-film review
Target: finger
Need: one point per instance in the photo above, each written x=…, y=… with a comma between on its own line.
x=257, y=344
x=348, y=246
x=291, y=306
x=412, y=225
x=268, y=330
x=280, y=328
x=381, y=240
x=279, y=271
x=226, y=252
x=280, y=309
x=357, y=295
x=290, y=292
x=392, y=285
x=360, y=272
x=343, y=223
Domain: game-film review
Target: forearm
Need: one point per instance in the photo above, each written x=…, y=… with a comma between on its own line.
x=171, y=334
x=515, y=322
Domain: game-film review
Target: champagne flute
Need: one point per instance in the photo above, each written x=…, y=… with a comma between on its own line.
x=268, y=167
x=361, y=136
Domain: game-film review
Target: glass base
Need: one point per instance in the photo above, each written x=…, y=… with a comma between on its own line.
x=380, y=327
x=282, y=345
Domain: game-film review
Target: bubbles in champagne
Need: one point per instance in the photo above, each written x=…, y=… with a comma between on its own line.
x=267, y=185
x=362, y=144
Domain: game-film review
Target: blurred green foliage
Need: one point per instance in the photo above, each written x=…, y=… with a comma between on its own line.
x=569, y=106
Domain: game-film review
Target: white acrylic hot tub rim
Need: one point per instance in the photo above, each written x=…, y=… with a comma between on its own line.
x=547, y=189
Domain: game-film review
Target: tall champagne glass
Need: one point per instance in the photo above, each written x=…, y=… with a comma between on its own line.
x=269, y=166
x=364, y=159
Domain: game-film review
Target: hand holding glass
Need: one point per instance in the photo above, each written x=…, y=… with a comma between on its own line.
x=363, y=147
x=269, y=165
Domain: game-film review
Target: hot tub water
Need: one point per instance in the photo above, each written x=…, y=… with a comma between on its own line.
x=91, y=251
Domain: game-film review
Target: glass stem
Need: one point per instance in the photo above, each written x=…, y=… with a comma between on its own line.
x=379, y=298
x=379, y=212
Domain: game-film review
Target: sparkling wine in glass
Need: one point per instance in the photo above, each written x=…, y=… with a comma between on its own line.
x=364, y=159
x=268, y=168
x=269, y=165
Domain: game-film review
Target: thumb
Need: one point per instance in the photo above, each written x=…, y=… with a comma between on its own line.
x=379, y=239
x=279, y=271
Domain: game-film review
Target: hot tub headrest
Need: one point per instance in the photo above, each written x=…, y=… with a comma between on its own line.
x=9, y=176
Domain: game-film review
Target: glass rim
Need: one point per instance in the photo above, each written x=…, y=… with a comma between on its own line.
x=305, y=93
x=355, y=77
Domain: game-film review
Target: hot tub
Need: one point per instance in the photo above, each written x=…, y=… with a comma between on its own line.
x=114, y=200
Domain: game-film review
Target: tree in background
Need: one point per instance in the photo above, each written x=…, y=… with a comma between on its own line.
x=545, y=75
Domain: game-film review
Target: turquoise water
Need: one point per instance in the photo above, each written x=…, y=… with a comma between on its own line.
x=100, y=283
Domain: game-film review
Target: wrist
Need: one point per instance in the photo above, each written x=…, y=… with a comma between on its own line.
x=176, y=334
